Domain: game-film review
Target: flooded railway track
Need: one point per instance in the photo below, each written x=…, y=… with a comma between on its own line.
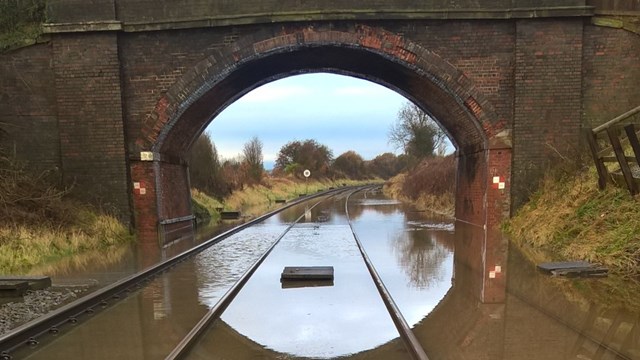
x=412, y=345
x=435, y=288
x=27, y=337
x=25, y=340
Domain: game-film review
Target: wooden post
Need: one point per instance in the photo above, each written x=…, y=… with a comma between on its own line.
x=633, y=140
x=622, y=160
x=603, y=175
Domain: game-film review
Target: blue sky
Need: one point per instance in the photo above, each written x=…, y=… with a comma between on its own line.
x=341, y=112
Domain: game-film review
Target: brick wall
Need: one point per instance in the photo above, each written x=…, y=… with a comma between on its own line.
x=175, y=196
x=28, y=108
x=548, y=87
x=153, y=62
x=70, y=11
x=147, y=10
x=145, y=200
x=611, y=73
x=92, y=144
x=536, y=78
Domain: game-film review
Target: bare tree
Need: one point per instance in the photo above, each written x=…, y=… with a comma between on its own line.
x=253, y=163
x=416, y=133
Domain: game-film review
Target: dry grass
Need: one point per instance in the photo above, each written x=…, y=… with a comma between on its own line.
x=573, y=220
x=39, y=225
x=258, y=199
x=429, y=186
x=25, y=246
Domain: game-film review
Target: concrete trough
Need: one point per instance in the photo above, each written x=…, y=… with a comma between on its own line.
x=33, y=282
x=303, y=273
x=296, y=284
x=13, y=289
x=281, y=201
x=573, y=269
x=230, y=215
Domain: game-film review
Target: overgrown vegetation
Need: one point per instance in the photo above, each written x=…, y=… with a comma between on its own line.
x=221, y=179
x=430, y=185
x=257, y=199
x=20, y=22
x=572, y=220
x=39, y=224
x=205, y=208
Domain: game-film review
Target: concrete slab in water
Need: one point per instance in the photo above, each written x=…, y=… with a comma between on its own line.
x=230, y=215
x=307, y=273
x=573, y=268
x=33, y=282
x=295, y=284
x=12, y=289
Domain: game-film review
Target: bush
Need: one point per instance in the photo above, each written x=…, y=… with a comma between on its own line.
x=433, y=176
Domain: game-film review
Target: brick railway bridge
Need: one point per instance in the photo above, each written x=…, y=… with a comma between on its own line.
x=116, y=91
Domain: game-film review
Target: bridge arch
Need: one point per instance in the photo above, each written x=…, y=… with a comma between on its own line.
x=362, y=51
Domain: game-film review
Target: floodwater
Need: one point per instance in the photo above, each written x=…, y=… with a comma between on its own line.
x=465, y=292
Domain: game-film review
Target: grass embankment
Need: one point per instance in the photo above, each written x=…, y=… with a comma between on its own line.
x=40, y=225
x=429, y=186
x=258, y=199
x=568, y=218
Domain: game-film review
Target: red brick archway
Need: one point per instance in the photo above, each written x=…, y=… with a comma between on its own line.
x=371, y=53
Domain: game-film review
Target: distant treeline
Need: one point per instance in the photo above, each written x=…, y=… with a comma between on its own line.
x=415, y=132
x=220, y=178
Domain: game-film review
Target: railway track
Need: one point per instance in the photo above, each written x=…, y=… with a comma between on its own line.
x=28, y=336
x=412, y=345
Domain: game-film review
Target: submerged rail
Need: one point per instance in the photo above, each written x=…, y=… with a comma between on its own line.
x=186, y=344
x=410, y=340
x=28, y=335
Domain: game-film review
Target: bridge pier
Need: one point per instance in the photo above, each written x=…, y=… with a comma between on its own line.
x=161, y=200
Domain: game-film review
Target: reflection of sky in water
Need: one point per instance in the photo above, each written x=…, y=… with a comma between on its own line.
x=327, y=321
x=419, y=274
x=348, y=317
x=220, y=266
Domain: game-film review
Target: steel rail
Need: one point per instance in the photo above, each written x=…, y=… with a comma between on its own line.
x=411, y=342
x=186, y=344
x=28, y=334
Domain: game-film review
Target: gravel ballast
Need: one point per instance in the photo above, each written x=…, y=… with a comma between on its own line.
x=34, y=304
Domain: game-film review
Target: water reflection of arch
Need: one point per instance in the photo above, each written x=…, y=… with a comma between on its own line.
x=459, y=327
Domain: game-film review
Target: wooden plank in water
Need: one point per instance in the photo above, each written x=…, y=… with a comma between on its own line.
x=307, y=273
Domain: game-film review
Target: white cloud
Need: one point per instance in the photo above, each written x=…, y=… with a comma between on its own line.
x=370, y=90
x=268, y=93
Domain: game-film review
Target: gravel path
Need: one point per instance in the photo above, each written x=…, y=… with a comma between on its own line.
x=35, y=303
